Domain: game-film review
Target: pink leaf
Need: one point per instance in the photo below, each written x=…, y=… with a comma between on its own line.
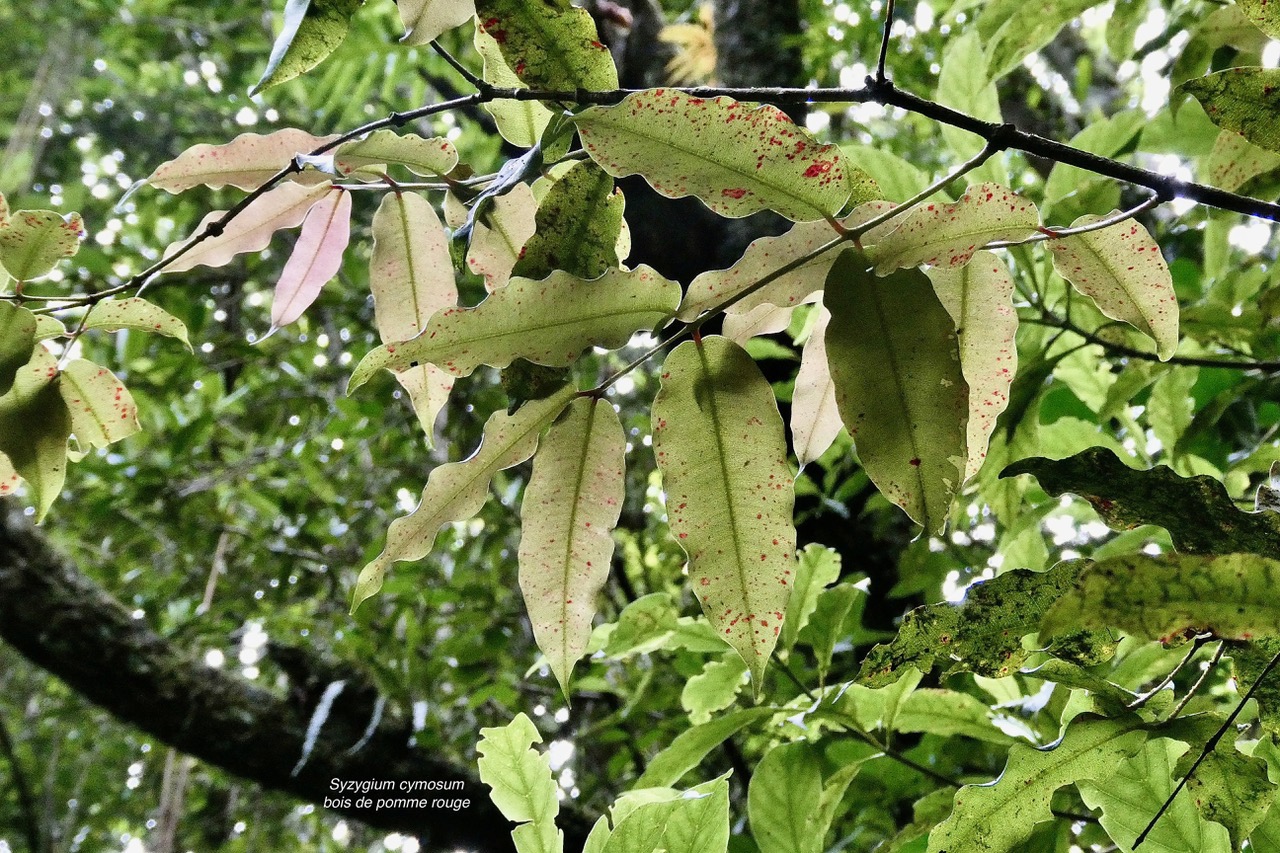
x=245, y=162
x=315, y=259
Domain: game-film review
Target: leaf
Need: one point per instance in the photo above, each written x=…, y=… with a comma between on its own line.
x=966, y=84
x=947, y=235
x=102, y=410
x=576, y=227
x=136, y=313
x=316, y=258
x=1234, y=596
x=425, y=20
x=736, y=158
x=550, y=45
x=49, y=327
x=547, y=322
x=34, y=427
x=17, y=338
x=979, y=298
x=695, y=822
x=497, y=238
x=761, y=320
x=1263, y=15
x=428, y=157
x=1244, y=100
x=572, y=502
x=1235, y=161
x=4, y=211
x=1107, y=138
x=645, y=625
x=826, y=624
x=719, y=443
x=692, y=745
x=713, y=689
x=312, y=30
x=982, y=634
x=35, y=240
x=1121, y=269
x=783, y=799
x=519, y=122
x=1013, y=29
x=246, y=162
x=456, y=491
x=815, y=416
x=998, y=816
x=818, y=568
x=893, y=356
x=284, y=206
x=948, y=713
x=1232, y=789
x=522, y=787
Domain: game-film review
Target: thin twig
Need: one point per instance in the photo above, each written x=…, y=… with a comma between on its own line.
x=1048, y=318
x=462, y=70
x=884, y=42
x=1058, y=233
x=1196, y=646
x=1191, y=692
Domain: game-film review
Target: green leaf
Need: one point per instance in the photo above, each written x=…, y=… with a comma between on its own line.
x=692, y=745
x=572, y=502
x=1244, y=100
x=833, y=791
x=826, y=625
x=523, y=789
x=1248, y=660
x=246, y=162
x=1235, y=161
x=818, y=568
x=815, y=415
x=783, y=800
x=645, y=625
x=979, y=298
x=550, y=45
x=1121, y=269
x=897, y=179
x=312, y=30
x=429, y=157
x=455, y=491
x=1232, y=789
x=577, y=227
x=35, y=240
x=136, y=313
x=498, y=236
x=425, y=20
x=735, y=158
x=548, y=322
x=998, y=816
x=101, y=408
x=895, y=361
x=719, y=443
x=964, y=84
x=17, y=338
x=34, y=428
x=695, y=822
x=1107, y=138
x=519, y=122
x=1263, y=15
x=982, y=634
x=713, y=689
x=1012, y=29
x=947, y=713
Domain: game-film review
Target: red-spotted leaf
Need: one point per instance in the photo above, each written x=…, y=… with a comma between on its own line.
x=548, y=322
x=311, y=31
x=284, y=206
x=102, y=409
x=17, y=337
x=577, y=226
x=411, y=277
x=519, y=122
x=316, y=258
x=4, y=211
x=9, y=478
x=499, y=235
x=979, y=298
x=245, y=162
x=573, y=500
x=761, y=320
x=1121, y=269
x=35, y=240
x=550, y=44
x=424, y=20
x=737, y=158
x=456, y=491
x=48, y=327
x=422, y=156
x=947, y=235
x=815, y=417
x=1234, y=161
x=1243, y=100
x=34, y=428
x=718, y=438
x=136, y=313
x=893, y=354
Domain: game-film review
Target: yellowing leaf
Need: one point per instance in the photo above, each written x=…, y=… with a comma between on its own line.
x=316, y=257
x=136, y=313
x=34, y=428
x=428, y=157
x=573, y=500
x=17, y=337
x=736, y=158
x=979, y=298
x=455, y=491
x=424, y=20
x=1234, y=161
x=1121, y=269
x=48, y=327
x=35, y=240
x=498, y=236
x=312, y=29
x=519, y=122
x=947, y=235
x=284, y=206
x=893, y=354
x=1245, y=100
x=245, y=162
x=549, y=44
x=548, y=322
x=718, y=439
x=815, y=417
x=578, y=224
x=102, y=409
x=4, y=211
x=9, y=479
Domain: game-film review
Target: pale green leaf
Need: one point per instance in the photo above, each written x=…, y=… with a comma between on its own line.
x=999, y=816
x=35, y=240
x=877, y=708
x=424, y=20
x=964, y=84
x=783, y=800
x=136, y=313
x=1013, y=29
x=895, y=361
x=897, y=179
x=979, y=298
x=571, y=504
x=1244, y=100
x=1121, y=269
x=598, y=837
x=550, y=44
x=818, y=568
x=521, y=783
x=713, y=689
x=833, y=791
x=245, y=162
x=692, y=745
x=4, y=211
x=9, y=478
x=741, y=327
x=34, y=428
x=315, y=259
x=429, y=157
x=645, y=625
x=577, y=227
x=736, y=158
x=1231, y=789
x=1263, y=14
x=548, y=322
x=826, y=624
x=17, y=338
x=947, y=713
x=696, y=821
x=519, y=122
x=500, y=234
x=101, y=408
x=1235, y=161
x=49, y=327
x=312, y=30
x=719, y=443
x=456, y=491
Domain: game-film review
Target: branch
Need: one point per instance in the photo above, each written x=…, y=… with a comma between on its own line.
x=1048, y=318
x=27, y=802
